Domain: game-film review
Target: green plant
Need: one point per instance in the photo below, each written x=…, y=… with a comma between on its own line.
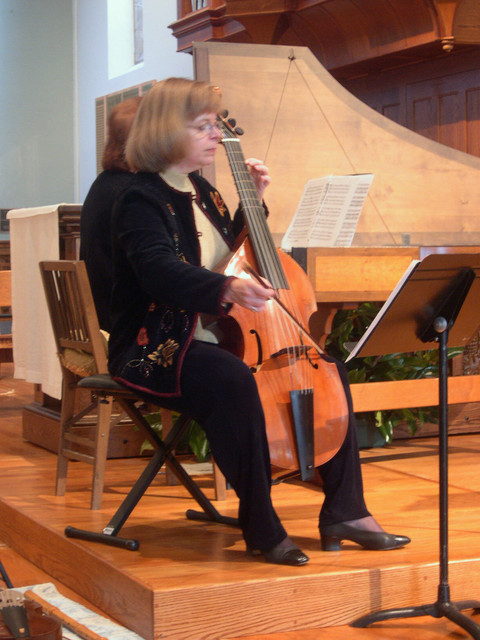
x=194, y=441
x=348, y=327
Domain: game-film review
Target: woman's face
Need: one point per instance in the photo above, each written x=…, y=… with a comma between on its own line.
x=204, y=136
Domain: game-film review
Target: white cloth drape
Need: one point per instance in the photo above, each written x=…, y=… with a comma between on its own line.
x=34, y=236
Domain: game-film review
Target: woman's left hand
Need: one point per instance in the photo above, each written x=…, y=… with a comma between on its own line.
x=259, y=173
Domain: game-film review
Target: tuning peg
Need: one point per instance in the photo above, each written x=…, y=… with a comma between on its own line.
x=239, y=131
x=232, y=122
x=224, y=114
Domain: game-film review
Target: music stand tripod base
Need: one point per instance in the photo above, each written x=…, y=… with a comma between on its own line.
x=440, y=609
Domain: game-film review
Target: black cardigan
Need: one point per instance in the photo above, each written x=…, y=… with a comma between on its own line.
x=96, y=241
x=159, y=285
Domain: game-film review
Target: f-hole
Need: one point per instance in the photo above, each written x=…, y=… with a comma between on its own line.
x=259, y=351
x=314, y=364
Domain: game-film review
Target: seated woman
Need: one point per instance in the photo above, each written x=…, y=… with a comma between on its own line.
x=170, y=228
x=95, y=221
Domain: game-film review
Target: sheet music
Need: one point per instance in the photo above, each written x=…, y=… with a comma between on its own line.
x=328, y=212
x=382, y=311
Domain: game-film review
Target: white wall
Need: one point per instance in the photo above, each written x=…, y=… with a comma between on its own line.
x=161, y=60
x=36, y=108
x=53, y=64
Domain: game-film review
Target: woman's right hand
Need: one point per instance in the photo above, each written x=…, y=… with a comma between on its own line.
x=248, y=293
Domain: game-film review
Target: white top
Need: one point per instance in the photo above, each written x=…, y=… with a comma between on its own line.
x=212, y=245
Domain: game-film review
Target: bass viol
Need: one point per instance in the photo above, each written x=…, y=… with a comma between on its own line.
x=303, y=398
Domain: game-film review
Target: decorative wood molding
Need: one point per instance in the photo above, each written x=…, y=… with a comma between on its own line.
x=459, y=22
x=347, y=37
x=466, y=22
x=206, y=24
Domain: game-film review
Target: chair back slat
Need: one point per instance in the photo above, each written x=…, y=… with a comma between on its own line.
x=6, y=346
x=74, y=328
x=5, y=288
x=72, y=310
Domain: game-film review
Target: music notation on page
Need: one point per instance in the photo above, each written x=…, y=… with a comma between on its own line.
x=328, y=212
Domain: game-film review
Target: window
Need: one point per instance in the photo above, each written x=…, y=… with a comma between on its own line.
x=125, y=36
x=138, y=31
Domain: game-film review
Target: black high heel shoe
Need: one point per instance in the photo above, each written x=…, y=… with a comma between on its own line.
x=290, y=555
x=332, y=535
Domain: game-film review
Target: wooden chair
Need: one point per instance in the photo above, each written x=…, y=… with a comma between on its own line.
x=77, y=333
x=81, y=351
x=6, y=347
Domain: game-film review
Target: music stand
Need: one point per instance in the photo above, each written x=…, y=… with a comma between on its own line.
x=437, y=300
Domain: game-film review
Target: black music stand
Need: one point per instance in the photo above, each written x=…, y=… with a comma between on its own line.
x=436, y=301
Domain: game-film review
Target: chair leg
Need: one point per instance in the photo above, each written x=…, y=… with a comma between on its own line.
x=167, y=424
x=67, y=411
x=163, y=453
x=219, y=483
x=104, y=415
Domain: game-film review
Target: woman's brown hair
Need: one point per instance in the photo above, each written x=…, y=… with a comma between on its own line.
x=158, y=137
x=119, y=124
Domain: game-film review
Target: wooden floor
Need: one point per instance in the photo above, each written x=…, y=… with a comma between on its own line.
x=193, y=581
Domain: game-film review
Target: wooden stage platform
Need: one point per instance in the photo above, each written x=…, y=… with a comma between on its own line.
x=193, y=581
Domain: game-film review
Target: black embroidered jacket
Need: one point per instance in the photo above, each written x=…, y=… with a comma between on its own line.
x=159, y=285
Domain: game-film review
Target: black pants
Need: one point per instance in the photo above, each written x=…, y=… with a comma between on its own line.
x=220, y=392
x=342, y=475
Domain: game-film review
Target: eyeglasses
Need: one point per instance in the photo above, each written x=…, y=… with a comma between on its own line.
x=204, y=129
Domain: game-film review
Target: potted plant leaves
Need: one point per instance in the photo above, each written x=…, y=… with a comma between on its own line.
x=348, y=327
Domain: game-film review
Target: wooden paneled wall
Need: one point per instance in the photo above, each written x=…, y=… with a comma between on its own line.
x=442, y=104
